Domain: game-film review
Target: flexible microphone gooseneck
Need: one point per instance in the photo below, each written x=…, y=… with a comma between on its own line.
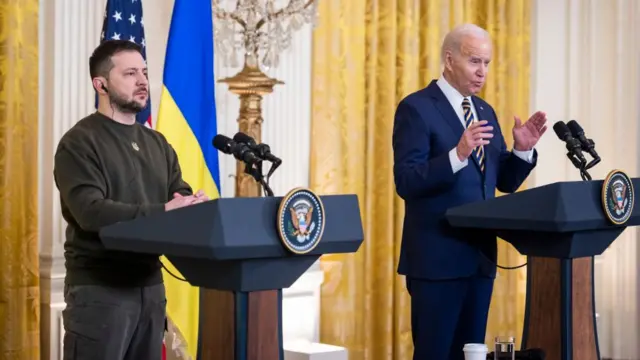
x=263, y=151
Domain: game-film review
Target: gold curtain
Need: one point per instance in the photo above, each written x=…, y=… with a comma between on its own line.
x=19, y=271
x=368, y=54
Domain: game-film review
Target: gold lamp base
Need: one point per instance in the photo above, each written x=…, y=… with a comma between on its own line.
x=250, y=84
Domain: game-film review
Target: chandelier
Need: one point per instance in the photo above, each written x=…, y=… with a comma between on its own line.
x=258, y=30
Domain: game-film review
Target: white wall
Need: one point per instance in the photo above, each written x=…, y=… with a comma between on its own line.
x=585, y=56
x=69, y=30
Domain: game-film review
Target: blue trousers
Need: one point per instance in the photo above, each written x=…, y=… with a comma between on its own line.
x=446, y=314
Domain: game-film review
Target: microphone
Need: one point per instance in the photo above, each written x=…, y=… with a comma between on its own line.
x=263, y=151
x=573, y=144
x=243, y=152
x=240, y=151
x=587, y=144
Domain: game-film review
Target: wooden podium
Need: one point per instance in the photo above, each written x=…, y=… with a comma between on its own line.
x=560, y=228
x=233, y=250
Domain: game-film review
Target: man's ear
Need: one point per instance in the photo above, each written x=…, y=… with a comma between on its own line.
x=448, y=60
x=100, y=84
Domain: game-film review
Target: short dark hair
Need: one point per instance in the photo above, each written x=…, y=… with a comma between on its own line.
x=100, y=61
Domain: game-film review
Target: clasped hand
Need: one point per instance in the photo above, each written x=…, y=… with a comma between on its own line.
x=179, y=201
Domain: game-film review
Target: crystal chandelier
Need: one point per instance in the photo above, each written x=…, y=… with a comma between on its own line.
x=258, y=29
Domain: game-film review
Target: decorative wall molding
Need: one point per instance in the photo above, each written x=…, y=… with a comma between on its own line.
x=69, y=31
x=66, y=44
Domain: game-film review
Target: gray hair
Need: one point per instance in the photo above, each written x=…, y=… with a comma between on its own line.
x=453, y=40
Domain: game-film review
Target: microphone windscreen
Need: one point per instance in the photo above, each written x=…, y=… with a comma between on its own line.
x=241, y=137
x=561, y=129
x=575, y=128
x=222, y=143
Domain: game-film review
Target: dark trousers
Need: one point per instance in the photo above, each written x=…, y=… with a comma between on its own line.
x=446, y=314
x=113, y=323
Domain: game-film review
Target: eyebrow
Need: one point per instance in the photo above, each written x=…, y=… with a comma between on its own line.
x=136, y=69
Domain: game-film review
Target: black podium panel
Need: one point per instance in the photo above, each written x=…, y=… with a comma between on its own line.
x=560, y=220
x=233, y=244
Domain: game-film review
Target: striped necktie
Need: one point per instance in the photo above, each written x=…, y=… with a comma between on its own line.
x=468, y=117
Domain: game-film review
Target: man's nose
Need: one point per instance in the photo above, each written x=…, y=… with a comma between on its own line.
x=482, y=71
x=142, y=79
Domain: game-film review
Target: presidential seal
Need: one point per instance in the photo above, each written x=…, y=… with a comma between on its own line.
x=301, y=220
x=617, y=197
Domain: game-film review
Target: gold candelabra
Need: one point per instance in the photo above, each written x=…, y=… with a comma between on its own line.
x=255, y=27
x=250, y=84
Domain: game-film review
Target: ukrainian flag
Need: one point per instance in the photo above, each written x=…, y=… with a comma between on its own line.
x=187, y=118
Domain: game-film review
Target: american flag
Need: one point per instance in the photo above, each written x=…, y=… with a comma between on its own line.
x=123, y=21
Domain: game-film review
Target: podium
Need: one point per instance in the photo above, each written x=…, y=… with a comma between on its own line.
x=560, y=228
x=232, y=250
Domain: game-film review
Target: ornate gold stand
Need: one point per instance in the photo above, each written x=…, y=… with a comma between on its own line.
x=218, y=307
x=250, y=84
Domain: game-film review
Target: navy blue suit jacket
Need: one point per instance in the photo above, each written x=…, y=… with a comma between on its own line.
x=425, y=130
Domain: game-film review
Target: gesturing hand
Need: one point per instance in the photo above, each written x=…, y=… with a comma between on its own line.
x=179, y=200
x=475, y=135
x=526, y=136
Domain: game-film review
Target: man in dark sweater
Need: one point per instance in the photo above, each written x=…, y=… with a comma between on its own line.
x=109, y=168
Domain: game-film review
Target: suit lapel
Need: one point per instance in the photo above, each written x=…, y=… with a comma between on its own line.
x=450, y=116
x=483, y=114
x=443, y=105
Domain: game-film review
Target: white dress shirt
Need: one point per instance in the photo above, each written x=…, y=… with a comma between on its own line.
x=455, y=99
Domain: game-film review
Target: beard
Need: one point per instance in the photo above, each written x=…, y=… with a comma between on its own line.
x=126, y=106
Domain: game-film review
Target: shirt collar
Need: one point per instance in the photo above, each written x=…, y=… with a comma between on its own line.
x=453, y=95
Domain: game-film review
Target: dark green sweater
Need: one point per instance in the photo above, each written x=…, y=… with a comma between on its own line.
x=109, y=172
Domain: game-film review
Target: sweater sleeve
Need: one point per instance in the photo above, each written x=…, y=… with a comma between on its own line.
x=83, y=189
x=176, y=183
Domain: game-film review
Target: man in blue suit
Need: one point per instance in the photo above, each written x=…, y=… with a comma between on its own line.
x=449, y=151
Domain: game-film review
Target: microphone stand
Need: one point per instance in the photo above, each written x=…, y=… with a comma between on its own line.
x=256, y=172
x=588, y=145
x=583, y=167
x=273, y=168
x=591, y=150
x=585, y=175
x=592, y=163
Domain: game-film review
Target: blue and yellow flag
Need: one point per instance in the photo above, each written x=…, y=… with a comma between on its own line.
x=187, y=118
